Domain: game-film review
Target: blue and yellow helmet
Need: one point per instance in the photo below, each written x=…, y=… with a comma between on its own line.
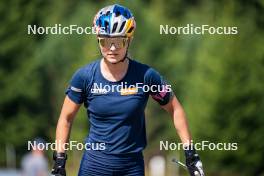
x=115, y=20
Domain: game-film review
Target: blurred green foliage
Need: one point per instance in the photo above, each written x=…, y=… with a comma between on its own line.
x=218, y=78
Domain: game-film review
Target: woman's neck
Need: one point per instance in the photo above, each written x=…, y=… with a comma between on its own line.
x=114, y=72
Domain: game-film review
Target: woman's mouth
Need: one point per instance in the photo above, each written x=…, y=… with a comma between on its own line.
x=112, y=54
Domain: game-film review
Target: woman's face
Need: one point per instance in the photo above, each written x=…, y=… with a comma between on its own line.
x=113, y=49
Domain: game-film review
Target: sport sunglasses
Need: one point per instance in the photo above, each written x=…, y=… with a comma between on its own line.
x=119, y=42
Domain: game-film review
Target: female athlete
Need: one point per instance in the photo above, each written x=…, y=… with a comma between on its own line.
x=115, y=91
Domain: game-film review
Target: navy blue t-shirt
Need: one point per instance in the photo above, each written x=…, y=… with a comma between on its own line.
x=116, y=109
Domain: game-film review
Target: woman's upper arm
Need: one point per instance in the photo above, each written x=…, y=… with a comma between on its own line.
x=75, y=95
x=69, y=109
x=159, y=90
x=172, y=105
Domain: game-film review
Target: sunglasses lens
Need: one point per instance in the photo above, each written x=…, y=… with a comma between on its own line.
x=120, y=42
x=102, y=42
x=124, y=42
x=117, y=42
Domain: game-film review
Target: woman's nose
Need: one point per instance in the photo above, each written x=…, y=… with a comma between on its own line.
x=112, y=48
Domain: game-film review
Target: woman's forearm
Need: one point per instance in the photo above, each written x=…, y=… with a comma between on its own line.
x=181, y=125
x=68, y=112
x=62, y=133
x=176, y=111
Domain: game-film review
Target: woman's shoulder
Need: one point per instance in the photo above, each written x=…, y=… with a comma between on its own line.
x=139, y=65
x=87, y=71
x=90, y=66
x=147, y=69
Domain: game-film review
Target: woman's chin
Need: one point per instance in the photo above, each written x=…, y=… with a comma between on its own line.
x=113, y=60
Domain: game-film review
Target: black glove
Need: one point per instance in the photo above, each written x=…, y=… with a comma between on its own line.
x=59, y=166
x=193, y=162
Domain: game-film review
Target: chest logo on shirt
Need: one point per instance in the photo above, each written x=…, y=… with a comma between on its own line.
x=99, y=91
x=129, y=91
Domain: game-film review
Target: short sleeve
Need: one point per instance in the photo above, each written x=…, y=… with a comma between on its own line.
x=76, y=89
x=157, y=86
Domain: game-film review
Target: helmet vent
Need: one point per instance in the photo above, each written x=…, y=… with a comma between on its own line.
x=107, y=13
x=114, y=28
x=125, y=14
x=130, y=30
x=106, y=25
x=122, y=26
x=117, y=14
